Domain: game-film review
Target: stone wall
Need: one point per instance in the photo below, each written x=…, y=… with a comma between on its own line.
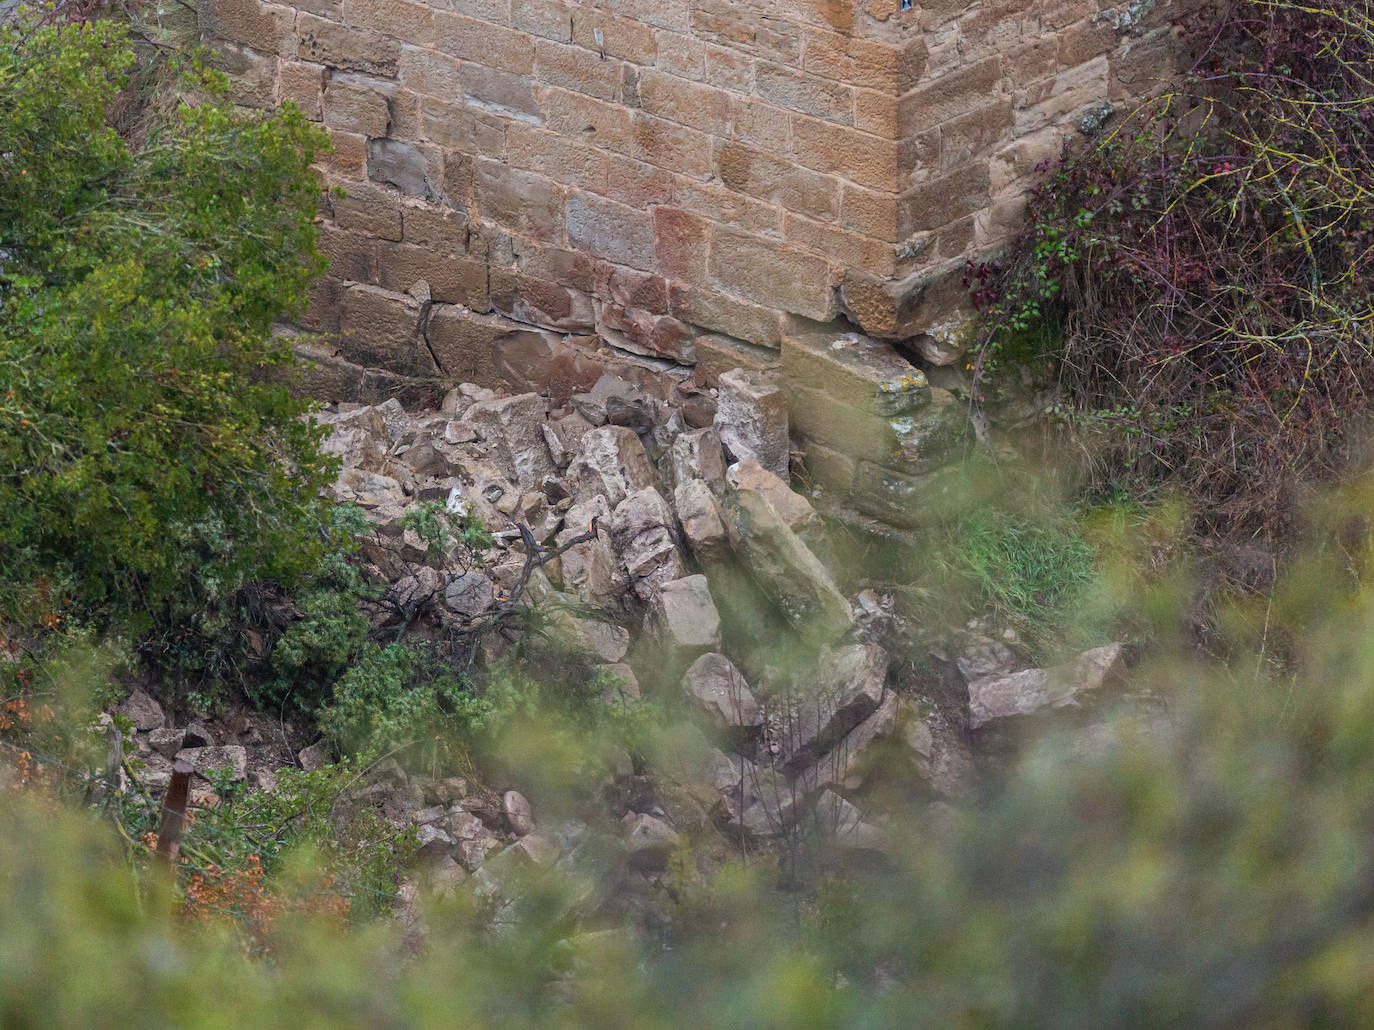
x=653, y=170
x=539, y=189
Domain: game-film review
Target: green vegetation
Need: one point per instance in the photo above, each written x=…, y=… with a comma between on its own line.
x=1196, y=279
x=1207, y=869
x=148, y=468
x=1198, y=860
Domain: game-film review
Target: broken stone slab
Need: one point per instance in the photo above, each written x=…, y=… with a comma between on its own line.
x=519, y=815
x=601, y=640
x=981, y=656
x=785, y=569
x=648, y=840
x=684, y=618
x=312, y=758
x=514, y=427
x=470, y=594
x=357, y=438
x=611, y=462
x=840, y=824
x=642, y=528
x=564, y=437
x=230, y=756
x=846, y=688
x=937, y=753
x=614, y=401
x=1032, y=690
x=590, y=569
x=760, y=803
x=703, y=526
x=698, y=457
x=790, y=506
x=856, y=370
x=166, y=742
x=368, y=489
x=141, y=710
x=719, y=689
x=847, y=765
x=667, y=426
x=751, y=419
x=432, y=842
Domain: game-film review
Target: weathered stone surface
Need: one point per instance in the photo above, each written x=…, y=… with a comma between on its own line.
x=685, y=618
x=648, y=840
x=312, y=758
x=1030, y=690
x=519, y=815
x=611, y=462
x=698, y=455
x=847, y=765
x=231, y=757
x=621, y=684
x=564, y=437
x=614, y=401
x=166, y=742
x=751, y=419
x=591, y=569
x=790, y=506
x=599, y=639
x=642, y=529
x=847, y=687
x=514, y=427
x=141, y=710
x=469, y=594
x=785, y=569
x=841, y=825
x=368, y=489
x=702, y=523
x=719, y=689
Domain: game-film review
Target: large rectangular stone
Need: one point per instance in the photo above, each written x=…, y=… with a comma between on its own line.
x=266, y=28
x=603, y=125
x=856, y=371
x=451, y=281
x=521, y=201
x=500, y=92
x=569, y=162
x=611, y=231
x=680, y=100
x=766, y=273
x=404, y=19
x=344, y=48
x=860, y=157
x=711, y=309
x=483, y=43
x=571, y=67
x=380, y=329
x=357, y=109
x=808, y=94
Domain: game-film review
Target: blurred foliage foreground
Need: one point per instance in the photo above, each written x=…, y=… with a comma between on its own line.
x=1211, y=868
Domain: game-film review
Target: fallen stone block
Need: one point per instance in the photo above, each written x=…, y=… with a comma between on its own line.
x=1032, y=690
x=719, y=690
x=751, y=419
x=684, y=618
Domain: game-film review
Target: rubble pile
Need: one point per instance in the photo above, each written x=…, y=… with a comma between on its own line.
x=641, y=535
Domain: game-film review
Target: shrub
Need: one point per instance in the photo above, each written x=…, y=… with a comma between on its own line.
x=148, y=467
x=1198, y=280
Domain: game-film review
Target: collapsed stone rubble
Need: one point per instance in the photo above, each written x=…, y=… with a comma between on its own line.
x=631, y=530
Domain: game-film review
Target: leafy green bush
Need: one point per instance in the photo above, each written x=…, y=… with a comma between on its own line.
x=399, y=696
x=148, y=466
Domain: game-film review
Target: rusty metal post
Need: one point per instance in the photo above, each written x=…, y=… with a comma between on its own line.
x=174, y=813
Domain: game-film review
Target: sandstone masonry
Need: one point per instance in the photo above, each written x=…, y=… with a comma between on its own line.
x=695, y=182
